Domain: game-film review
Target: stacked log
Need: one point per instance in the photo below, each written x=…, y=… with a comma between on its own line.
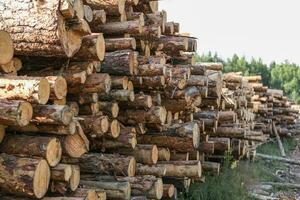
x=104, y=100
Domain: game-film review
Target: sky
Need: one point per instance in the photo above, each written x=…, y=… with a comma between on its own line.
x=269, y=29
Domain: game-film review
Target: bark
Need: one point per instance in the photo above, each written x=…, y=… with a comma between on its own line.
x=169, y=28
x=48, y=148
x=24, y=176
x=281, y=148
x=109, y=108
x=99, y=17
x=121, y=63
x=207, y=147
x=116, y=44
x=153, y=170
x=154, y=115
x=134, y=27
x=114, y=130
x=119, y=82
x=151, y=83
x=89, y=194
x=141, y=101
x=82, y=99
x=15, y=112
x=94, y=126
x=58, y=87
x=52, y=114
x=44, y=32
x=118, y=95
x=31, y=89
x=211, y=167
x=171, y=45
x=61, y=172
x=151, y=70
x=114, y=190
x=280, y=159
x=95, y=83
x=46, y=129
x=197, y=80
x=182, y=169
x=104, y=164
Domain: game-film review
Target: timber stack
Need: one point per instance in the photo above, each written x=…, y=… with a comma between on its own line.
x=102, y=99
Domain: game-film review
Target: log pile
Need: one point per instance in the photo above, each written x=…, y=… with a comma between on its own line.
x=104, y=100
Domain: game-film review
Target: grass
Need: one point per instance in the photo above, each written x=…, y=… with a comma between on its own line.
x=233, y=184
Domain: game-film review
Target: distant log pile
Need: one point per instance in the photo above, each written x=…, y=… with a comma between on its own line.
x=102, y=99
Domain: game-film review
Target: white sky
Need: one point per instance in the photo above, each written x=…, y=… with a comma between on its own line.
x=269, y=29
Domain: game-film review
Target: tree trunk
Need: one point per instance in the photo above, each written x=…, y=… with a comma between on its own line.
x=31, y=89
x=120, y=63
x=116, y=44
x=44, y=32
x=105, y=164
x=15, y=112
x=45, y=147
x=82, y=99
x=24, y=176
x=52, y=114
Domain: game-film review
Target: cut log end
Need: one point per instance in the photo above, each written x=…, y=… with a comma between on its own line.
x=159, y=188
x=75, y=177
x=115, y=128
x=196, y=136
x=154, y=154
x=25, y=114
x=6, y=47
x=121, y=5
x=100, y=47
x=131, y=167
x=41, y=179
x=60, y=87
x=43, y=91
x=54, y=152
x=115, y=110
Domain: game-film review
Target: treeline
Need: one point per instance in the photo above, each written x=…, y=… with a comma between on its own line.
x=285, y=76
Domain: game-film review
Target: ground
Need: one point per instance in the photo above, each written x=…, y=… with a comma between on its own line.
x=238, y=183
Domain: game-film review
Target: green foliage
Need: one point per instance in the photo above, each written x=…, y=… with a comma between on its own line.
x=284, y=76
x=234, y=184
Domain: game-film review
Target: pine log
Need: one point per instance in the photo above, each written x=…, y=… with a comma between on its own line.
x=82, y=99
x=75, y=178
x=94, y=126
x=33, y=90
x=24, y=176
x=169, y=28
x=15, y=112
x=77, y=144
x=154, y=115
x=221, y=145
x=173, y=143
x=169, y=191
x=89, y=194
x=111, y=7
x=153, y=170
x=47, y=33
x=58, y=87
x=95, y=83
x=212, y=66
x=109, y=108
x=48, y=148
x=151, y=70
x=89, y=109
x=121, y=63
x=141, y=101
x=116, y=44
x=163, y=154
x=114, y=130
x=119, y=82
x=52, y=114
x=151, y=83
x=6, y=48
x=118, y=95
x=61, y=172
x=182, y=169
x=104, y=164
x=46, y=129
x=99, y=17
x=134, y=27
x=113, y=190
x=92, y=48
x=142, y=60
x=172, y=45
x=207, y=147
x=197, y=80
x=211, y=167
x=229, y=132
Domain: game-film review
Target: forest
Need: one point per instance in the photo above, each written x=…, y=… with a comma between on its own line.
x=285, y=75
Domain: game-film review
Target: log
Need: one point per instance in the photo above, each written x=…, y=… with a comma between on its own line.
x=31, y=89
x=95, y=83
x=281, y=148
x=280, y=159
x=182, y=169
x=153, y=170
x=24, y=176
x=197, y=80
x=92, y=48
x=94, y=126
x=119, y=82
x=141, y=101
x=114, y=130
x=99, y=17
x=82, y=99
x=113, y=190
x=211, y=167
x=46, y=129
x=48, y=148
x=58, y=87
x=163, y=154
x=169, y=191
x=6, y=48
x=75, y=178
x=154, y=115
x=44, y=32
x=116, y=44
x=133, y=27
x=109, y=108
x=111, y=7
x=89, y=194
x=77, y=144
x=88, y=13
x=120, y=63
x=104, y=164
x=61, y=172
x=171, y=45
x=15, y=112
x=89, y=109
x=151, y=70
x=52, y=114
x=118, y=95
